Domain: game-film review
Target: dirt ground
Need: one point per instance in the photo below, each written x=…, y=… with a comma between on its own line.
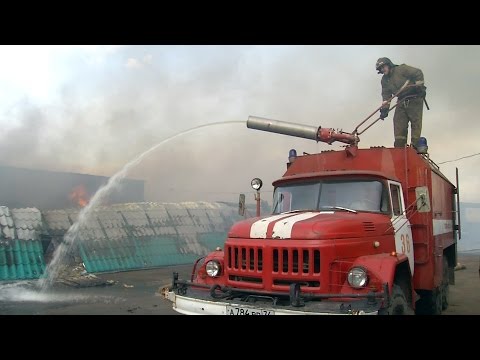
x=134, y=294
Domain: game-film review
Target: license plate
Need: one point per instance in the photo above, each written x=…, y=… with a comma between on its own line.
x=244, y=310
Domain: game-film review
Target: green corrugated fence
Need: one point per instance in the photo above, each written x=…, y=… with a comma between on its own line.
x=140, y=252
x=148, y=235
x=21, y=259
x=117, y=238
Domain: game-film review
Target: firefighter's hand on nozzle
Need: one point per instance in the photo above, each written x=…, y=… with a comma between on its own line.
x=383, y=113
x=421, y=91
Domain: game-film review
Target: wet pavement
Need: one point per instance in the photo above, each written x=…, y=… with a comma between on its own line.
x=134, y=293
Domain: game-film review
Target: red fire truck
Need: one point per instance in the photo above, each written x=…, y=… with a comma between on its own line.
x=354, y=231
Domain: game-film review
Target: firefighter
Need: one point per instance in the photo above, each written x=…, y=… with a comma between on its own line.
x=410, y=101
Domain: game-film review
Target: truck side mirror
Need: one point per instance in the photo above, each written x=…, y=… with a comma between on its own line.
x=241, y=205
x=423, y=199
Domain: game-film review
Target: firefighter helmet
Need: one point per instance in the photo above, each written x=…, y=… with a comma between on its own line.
x=383, y=61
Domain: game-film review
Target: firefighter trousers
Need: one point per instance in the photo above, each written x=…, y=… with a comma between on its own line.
x=409, y=110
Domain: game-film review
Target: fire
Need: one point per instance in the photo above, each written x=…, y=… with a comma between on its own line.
x=79, y=196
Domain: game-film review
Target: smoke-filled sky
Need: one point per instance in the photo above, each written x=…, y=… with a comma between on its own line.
x=93, y=108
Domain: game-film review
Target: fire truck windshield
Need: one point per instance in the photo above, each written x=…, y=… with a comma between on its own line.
x=359, y=195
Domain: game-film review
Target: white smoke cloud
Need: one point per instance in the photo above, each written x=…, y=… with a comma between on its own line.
x=133, y=63
x=147, y=59
x=102, y=115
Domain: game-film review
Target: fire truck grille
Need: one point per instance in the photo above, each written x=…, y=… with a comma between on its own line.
x=313, y=284
x=296, y=261
x=247, y=279
x=247, y=259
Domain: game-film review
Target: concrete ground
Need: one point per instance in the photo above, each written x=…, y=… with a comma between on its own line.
x=134, y=294
x=465, y=293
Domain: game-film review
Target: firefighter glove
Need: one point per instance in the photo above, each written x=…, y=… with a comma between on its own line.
x=383, y=113
x=421, y=91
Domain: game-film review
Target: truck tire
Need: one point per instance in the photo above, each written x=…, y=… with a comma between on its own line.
x=445, y=284
x=430, y=303
x=398, y=303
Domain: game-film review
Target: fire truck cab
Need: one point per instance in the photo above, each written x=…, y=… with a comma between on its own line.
x=355, y=231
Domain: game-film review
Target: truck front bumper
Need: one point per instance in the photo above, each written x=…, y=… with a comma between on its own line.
x=198, y=303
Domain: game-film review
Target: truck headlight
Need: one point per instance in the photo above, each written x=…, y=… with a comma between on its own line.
x=213, y=268
x=256, y=184
x=357, y=277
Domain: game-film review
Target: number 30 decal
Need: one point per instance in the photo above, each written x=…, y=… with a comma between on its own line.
x=405, y=243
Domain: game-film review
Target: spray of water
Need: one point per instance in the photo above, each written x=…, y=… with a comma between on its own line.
x=26, y=292
x=85, y=214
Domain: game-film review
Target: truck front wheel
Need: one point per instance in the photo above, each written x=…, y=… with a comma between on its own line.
x=398, y=303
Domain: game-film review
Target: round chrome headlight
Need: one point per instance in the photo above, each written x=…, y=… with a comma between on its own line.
x=357, y=277
x=213, y=268
x=256, y=184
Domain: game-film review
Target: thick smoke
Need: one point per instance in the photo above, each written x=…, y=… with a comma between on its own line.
x=105, y=116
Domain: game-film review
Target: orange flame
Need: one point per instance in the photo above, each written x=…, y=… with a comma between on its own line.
x=79, y=196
